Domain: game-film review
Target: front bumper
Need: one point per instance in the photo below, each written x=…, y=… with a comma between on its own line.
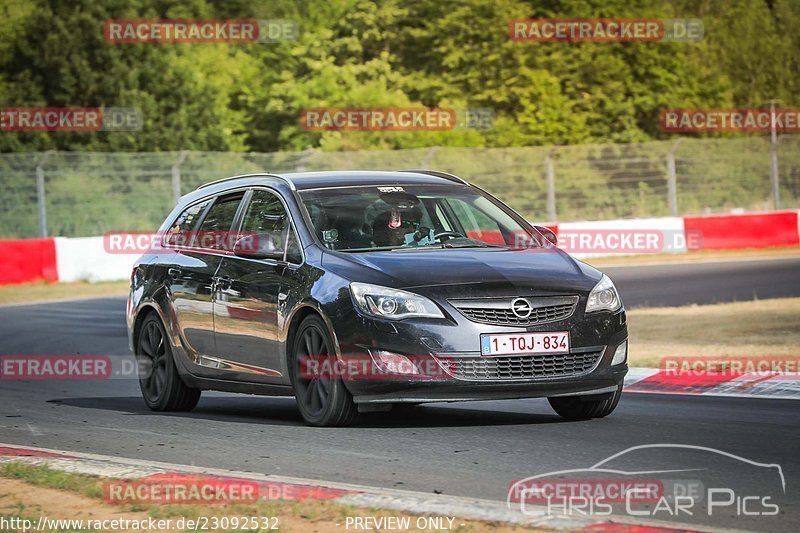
x=599, y=333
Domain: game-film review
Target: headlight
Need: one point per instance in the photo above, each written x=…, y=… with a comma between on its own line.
x=603, y=297
x=383, y=302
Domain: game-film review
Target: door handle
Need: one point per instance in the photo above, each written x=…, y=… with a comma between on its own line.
x=174, y=272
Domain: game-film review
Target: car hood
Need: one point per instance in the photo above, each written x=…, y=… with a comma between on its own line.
x=479, y=271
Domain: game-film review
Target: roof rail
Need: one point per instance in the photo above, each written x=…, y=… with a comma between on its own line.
x=242, y=176
x=438, y=174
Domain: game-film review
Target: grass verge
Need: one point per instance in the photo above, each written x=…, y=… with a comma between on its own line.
x=30, y=491
x=43, y=291
x=693, y=257
x=758, y=328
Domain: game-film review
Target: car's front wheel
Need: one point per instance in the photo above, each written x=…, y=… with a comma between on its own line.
x=578, y=407
x=162, y=387
x=322, y=398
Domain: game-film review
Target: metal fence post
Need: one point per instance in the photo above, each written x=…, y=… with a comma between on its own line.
x=176, y=176
x=551, y=187
x=773, y=152
x=40, y=195
x=672, y=181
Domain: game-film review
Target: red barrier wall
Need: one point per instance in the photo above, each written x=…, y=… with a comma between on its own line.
x=753, y=230
x=27, y=260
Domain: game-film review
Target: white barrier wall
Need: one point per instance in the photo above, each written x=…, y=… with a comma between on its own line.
x=85, y=259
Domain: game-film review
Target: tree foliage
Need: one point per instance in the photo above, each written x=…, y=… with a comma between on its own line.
x=362, y=53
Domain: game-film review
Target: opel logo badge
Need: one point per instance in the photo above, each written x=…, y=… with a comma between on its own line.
x=521, y=308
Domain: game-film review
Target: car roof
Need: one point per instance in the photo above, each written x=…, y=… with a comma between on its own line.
x=313, y=180
x=310, y=180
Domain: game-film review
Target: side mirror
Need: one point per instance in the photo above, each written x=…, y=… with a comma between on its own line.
x=549, y=235
x=257, y=246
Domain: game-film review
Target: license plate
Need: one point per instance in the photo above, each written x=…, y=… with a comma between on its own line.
x=525, y=343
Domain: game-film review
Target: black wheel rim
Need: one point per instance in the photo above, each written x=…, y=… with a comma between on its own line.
x=152, y=362
x=313, y=392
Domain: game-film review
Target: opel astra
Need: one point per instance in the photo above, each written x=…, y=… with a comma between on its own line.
x=357, y=291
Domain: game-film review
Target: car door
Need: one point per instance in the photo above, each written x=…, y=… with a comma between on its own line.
x=191, y=277
x=247, y=296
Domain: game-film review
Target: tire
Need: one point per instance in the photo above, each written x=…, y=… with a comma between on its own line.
x=322, y=401
x=575, y=408
x=161, y=385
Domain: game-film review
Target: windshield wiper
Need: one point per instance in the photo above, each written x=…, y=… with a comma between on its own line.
x=374, y=249
x=471, y=245
x=436, y=246
x=445, y=245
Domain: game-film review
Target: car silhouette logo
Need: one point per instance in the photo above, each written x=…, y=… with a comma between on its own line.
x=521, y=308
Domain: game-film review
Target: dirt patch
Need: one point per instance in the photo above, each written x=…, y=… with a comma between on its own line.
x=18, y=498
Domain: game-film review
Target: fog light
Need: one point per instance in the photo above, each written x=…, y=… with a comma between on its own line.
x=394, y=362
x=621, y=354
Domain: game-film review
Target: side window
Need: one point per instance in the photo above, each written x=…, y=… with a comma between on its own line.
x=215, y=230
x=476, y=223
x=180, y=231
x=266, y=221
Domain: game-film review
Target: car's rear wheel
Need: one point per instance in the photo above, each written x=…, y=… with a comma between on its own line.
x=322, y=398
x=162, y=387
x=577, y=407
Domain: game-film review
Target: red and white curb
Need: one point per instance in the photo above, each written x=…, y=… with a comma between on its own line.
x=751, y=385
x=297, y=489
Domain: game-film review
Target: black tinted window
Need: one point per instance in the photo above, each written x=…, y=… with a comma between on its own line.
x=179, y=233
x=266, y=220
x=215, y=229
x=264, y=214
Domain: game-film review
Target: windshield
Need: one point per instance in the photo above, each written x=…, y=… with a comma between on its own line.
x=366, y=218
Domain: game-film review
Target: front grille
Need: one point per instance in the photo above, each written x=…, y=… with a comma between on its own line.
x=499, y=311
x=520, y=366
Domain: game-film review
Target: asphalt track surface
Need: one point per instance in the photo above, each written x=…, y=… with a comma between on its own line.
x=706, y=282
x=469, y=449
